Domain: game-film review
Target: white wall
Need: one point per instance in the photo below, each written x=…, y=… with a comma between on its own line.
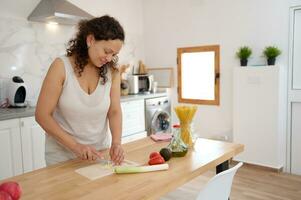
x=28, y=48
x=130, y=14
x=171, y=24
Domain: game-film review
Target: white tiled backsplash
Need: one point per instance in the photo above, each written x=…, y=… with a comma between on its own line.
x=2, y=90
x=27, y=50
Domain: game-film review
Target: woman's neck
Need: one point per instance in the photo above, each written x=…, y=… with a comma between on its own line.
x=88, y=68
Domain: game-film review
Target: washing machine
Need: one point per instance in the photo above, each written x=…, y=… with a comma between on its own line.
x=158, y=115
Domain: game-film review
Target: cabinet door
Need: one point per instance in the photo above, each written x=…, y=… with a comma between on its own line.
x=133, y=137
x=33, y=144
x=256, y=114
x=132, y=117
x=10, y=149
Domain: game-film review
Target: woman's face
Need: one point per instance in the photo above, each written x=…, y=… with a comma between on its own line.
x=102, y=51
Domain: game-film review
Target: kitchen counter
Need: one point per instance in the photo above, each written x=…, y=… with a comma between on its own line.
x=60, y=181
x=12, y=113
x=142, y=96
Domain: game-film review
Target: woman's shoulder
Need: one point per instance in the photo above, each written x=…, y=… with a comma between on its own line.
x=114, y=73
x=57, y=68
x=57, y=64
x=58, y=61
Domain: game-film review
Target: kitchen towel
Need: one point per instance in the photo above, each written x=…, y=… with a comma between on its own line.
x=161, y=137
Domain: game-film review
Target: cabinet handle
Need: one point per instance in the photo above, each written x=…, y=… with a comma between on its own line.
x=22, y=123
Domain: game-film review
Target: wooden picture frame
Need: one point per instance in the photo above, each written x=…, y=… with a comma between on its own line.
x=163, y=76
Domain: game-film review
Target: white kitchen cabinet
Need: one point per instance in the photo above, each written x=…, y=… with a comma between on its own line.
x=10, y=149
x=133, y=137
x=22, y=146
x=133, y=117
x=259, y=115
x=33, y=144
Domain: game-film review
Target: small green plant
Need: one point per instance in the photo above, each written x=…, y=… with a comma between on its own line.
x=271, y=52
x=244, y=53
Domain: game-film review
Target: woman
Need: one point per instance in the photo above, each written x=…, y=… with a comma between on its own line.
x=80, y=96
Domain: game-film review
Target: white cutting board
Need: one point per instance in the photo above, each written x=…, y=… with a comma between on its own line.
x=99, y=170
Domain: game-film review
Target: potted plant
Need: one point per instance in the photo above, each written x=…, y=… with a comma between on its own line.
x=271, y=52
x=243, y=54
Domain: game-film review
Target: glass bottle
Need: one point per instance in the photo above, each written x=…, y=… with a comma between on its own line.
x=177, y=146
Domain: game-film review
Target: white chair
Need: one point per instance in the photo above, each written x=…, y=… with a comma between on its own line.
x=219, y=187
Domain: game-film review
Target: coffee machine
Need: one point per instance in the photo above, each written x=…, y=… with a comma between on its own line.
x=16, y=92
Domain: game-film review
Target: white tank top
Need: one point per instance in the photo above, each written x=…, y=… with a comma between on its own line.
x=82, y=115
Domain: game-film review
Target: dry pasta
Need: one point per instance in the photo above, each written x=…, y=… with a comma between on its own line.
x=185, y=115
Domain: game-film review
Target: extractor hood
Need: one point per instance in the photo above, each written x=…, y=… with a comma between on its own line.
x=59, y=11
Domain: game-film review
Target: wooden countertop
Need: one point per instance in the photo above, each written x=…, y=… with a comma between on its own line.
x=62, y=182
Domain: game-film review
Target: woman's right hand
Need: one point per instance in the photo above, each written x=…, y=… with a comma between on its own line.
x=86, y=152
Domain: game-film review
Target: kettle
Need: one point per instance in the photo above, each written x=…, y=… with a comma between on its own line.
x=16, y=92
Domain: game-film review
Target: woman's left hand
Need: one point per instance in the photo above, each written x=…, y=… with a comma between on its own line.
x=117, y=154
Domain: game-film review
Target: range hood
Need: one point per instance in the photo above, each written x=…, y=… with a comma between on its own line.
x=59, y=11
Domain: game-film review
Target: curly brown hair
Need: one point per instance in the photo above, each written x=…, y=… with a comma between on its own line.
x=102, y=28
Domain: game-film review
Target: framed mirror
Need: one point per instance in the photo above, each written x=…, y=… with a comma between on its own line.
x=198, y=74
x=163, y=76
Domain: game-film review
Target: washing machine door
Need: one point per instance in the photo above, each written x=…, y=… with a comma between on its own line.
x=160, y=122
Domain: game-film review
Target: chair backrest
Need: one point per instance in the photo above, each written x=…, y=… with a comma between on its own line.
x=219, y=187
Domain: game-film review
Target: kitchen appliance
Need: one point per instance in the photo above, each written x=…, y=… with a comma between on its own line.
x=158, y=115
x=140, y=83
x=16, y=92
x=2, y=90
x=59, y=11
